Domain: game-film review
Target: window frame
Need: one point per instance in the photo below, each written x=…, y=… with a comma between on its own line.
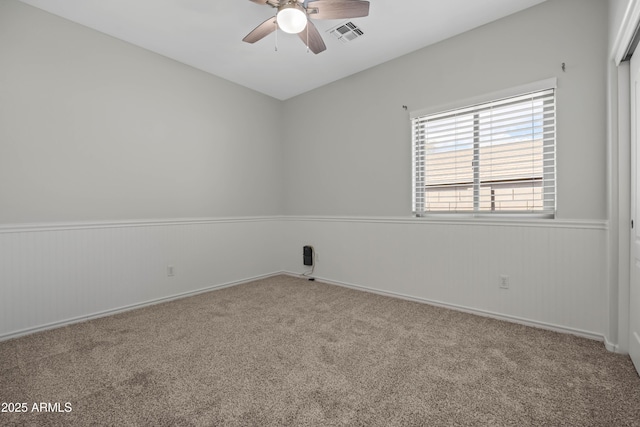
x=538, y=86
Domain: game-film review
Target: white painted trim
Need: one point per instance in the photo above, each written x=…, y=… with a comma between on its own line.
x=122, y=309
x=627, y=29
x=449, y=220
x=612, y=205
x=551, y=83
x=610, y=346
x=484, y=313
x=22, y=228
x=443, y=220
x=621, y=123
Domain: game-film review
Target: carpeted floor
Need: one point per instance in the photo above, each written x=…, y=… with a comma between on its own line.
x=287, y=352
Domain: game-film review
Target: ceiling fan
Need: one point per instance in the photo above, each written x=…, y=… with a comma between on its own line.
x=293, y=17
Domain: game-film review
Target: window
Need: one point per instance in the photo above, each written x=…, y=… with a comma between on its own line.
x=489, y=158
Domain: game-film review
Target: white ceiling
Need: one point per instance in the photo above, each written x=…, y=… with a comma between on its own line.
x=207, y=34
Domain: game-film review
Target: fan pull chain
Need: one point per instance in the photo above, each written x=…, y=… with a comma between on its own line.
x=307, y=35
x=276, y=25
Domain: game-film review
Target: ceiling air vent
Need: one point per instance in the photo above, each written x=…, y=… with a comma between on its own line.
x=346, y=32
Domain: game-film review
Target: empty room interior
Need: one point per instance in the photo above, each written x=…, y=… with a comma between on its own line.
x=399, y=213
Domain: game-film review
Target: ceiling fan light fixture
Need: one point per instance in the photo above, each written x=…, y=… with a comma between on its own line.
x=296, y=17
x=291, y=18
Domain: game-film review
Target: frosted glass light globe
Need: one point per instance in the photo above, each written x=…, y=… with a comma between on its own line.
x=291, y=20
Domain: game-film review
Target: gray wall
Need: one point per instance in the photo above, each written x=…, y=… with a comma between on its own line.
x=92, y=128
x=350, y=140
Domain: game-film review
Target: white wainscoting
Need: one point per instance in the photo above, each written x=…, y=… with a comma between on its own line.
x=557, y=269
x=56, y=274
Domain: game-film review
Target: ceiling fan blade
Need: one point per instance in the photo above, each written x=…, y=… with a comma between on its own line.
x=262, y=30
x=316, y=44
x=334, y=9
x=260, y=1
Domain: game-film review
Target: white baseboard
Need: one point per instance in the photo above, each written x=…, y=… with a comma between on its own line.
x=110, y=312
x=479, y=312
x=610, y=346
x=514, y=319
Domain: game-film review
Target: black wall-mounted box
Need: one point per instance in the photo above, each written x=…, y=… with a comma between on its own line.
x=307, y=255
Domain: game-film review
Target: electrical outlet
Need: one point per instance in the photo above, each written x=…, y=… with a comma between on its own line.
x=171, y=271
x=504, y=282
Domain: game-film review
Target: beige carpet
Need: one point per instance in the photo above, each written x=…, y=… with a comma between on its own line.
x=288, y=352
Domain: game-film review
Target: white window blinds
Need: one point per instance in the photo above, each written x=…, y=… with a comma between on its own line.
x=494, y=157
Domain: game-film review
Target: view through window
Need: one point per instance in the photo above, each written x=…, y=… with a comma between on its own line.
x=496, y=157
